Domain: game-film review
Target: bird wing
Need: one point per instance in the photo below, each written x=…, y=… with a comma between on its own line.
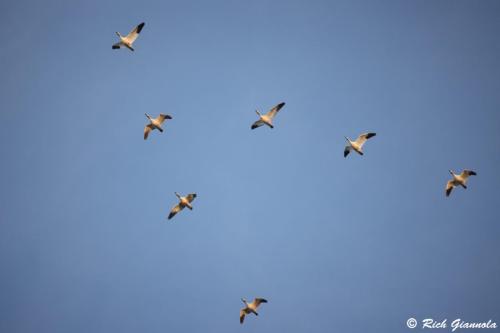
x=258, y=123
x=190, y=197
x=147, y=129
x=161, y=118
x=117, y=45
x=466, y=173
x=347, y=150
x=177, y=208
x=256, y=302
x=363, y=137
x=275, y=110
x=449, y=187
x=242, y=316
x=132, y=36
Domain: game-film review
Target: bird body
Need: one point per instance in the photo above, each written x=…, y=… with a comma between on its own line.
x=128, y=40
x=250, y=307
x=267, y=119
x=183, y=202
x=155, y=123
x=458, y=180
x=357, y=145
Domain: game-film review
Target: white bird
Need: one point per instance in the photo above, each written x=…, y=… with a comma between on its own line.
x=183, y=202
x=250, y=308
x=155, y=123
x=357, y=145
x=128, y=40
x=267, y=119
x=457, y=180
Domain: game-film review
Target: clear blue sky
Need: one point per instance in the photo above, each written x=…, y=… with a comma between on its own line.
x=336, y=245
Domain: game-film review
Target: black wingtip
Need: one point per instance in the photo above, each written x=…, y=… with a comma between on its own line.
x=139, y=27
x=115, y=47
x=370, y=135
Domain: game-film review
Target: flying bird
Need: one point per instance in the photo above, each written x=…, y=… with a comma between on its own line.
x=357, y=145
x=155, y=123
x=267, y=119
x=457, y=180
x=250, y=308
x=183, y=202
x=128, y=40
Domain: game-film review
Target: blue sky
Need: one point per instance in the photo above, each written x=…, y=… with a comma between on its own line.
x=348, y=245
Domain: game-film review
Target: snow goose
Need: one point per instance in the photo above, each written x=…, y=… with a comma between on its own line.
x=183, y=202
x=250, y=308
x=267, y=119
x=128, y=40
x=155, y=123
x=357, y=145
x=457, y=180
